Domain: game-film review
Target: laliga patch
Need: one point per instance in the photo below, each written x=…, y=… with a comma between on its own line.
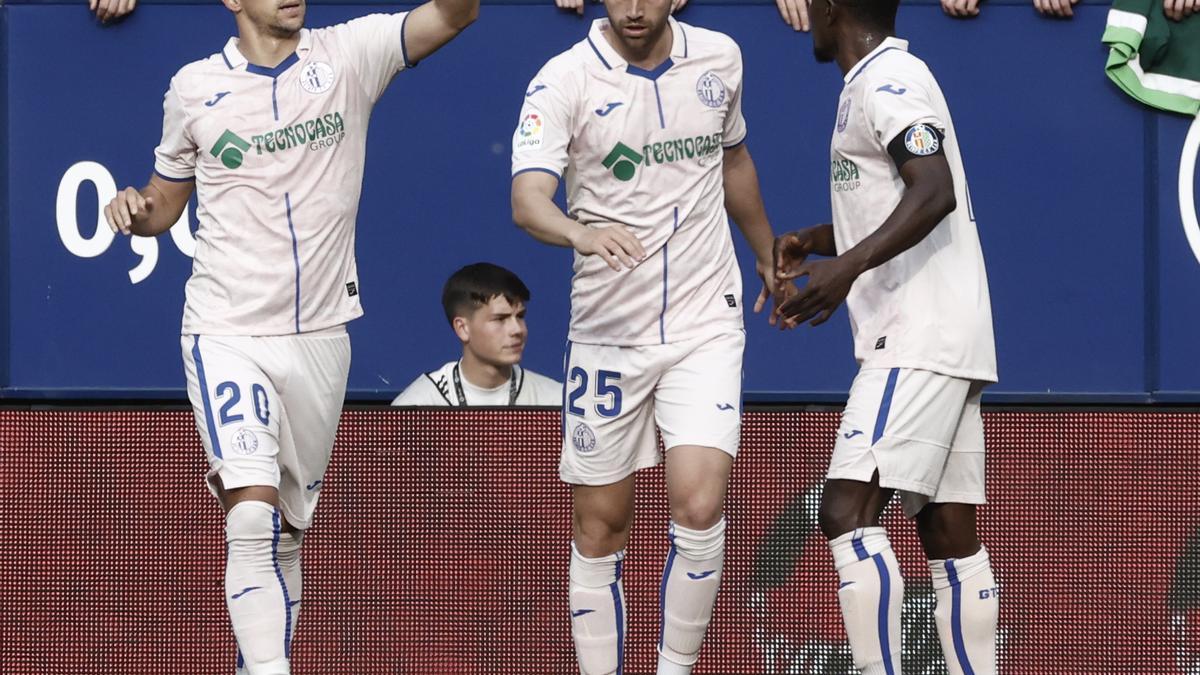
x=245, y=442
x=317, y=77
x=710, y=89
x=584, y=438
x=530, y=131
x=921, y=140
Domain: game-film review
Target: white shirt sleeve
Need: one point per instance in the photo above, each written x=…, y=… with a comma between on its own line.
x=735, y=124
x=547, y=119
x=175, y=156
x=896, y=102
x=375, y=46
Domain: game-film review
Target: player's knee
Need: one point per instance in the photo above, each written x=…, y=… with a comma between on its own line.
x=598, y=537
x=698, y=511
x=251, y=523
x=948, y=532
x=839, y=516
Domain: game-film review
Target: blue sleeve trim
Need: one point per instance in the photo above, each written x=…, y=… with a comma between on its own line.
x=404, y=44
x=538, y=168
x=165, y=177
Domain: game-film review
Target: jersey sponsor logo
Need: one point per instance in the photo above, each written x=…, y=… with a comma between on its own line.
x=217, y=99
x=844, y=176
x=324, y=131
x=623, y=161
x=530, y=131
x=584, y=438
x=921, y=140
x=603, y=112
x=710, y=89
x=229, y=148
x=317, y=77
x=843, y=116
x=245, y=442
x=892, y=90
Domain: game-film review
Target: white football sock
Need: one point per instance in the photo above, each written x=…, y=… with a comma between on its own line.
x=871, y=593
x=597, y=599
x=691, y=577
x=255, y=591
x=968, y=609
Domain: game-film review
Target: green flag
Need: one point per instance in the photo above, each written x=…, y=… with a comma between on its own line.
x=1154, y=59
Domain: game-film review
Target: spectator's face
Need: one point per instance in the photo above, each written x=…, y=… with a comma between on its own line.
x=277, y=18
x=496, y=332
x=638, y=24
x=824, y=40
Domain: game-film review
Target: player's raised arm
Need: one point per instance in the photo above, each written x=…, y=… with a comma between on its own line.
x=435, y=23
x=150, y=211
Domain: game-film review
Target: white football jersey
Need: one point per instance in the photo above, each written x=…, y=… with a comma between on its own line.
x=644, y=149
x=277, y=155
x=928, y=308
x=438, y=388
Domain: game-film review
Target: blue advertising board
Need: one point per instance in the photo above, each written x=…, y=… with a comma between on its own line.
x=1074, y=187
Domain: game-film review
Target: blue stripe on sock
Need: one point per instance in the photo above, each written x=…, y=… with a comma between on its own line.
x=960, y=648
x=616, y=593
x=885, y=592
x=859, y=549
x=885, y=405
x=662, y=589
x=287, y=602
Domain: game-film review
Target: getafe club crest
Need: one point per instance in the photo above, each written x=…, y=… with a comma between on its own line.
x=584, y=438
x=843, y=116
x=711, y=90
x=317, y=77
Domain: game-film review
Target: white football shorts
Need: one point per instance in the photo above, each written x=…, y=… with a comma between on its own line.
x=267, y=409
x=921, y=430
x=614, y=397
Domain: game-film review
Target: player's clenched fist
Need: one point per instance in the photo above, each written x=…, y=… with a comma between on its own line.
x=128, y=208
x=613, y=243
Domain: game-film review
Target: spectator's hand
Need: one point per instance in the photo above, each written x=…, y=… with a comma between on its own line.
x=962, y=9
x=612, y=242
x=794, y=13
x=1059, y=8
x=111, y=10
x=576, y=5
x=1177, y=10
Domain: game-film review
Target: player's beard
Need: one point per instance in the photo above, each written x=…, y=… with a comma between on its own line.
x=643, y=44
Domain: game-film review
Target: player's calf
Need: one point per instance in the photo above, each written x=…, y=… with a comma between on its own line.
x=870, y=593
x=256, y=591
x=691, y=578
x=968, y=609
x=597, y=599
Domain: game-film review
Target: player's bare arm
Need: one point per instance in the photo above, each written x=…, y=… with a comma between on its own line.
x=928, y=198
x=743, y=202
x=534, y=210
x=150, y=211
x=435, y=23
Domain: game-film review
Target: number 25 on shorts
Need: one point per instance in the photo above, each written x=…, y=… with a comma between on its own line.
x=608, y=393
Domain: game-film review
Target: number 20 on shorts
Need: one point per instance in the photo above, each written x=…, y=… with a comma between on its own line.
x=608, y=392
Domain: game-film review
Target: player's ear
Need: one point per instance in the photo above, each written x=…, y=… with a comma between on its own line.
x=234, y=6
x=461, y=329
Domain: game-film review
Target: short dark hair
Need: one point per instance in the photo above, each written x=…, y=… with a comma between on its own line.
x=476, y=285
x=877, y=13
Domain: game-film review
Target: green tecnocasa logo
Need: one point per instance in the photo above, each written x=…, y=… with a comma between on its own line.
x=843, y=175
x=325, y=131
x=623, y=161
x=229, y=149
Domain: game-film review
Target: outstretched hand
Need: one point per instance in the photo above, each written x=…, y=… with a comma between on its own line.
x=829, y=283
